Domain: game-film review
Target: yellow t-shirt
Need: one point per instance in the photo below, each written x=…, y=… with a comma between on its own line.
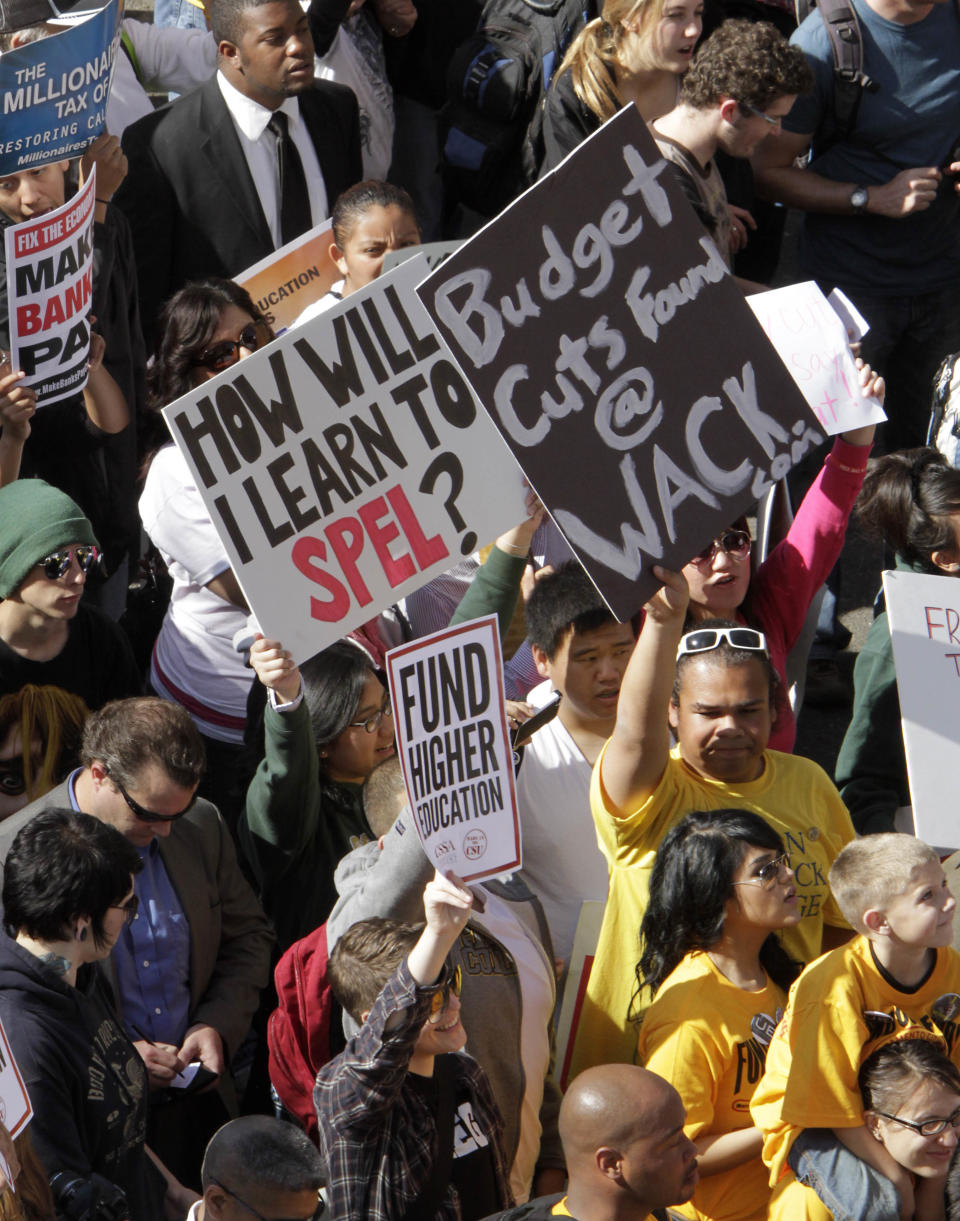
x=709, y=1038
x=794, y=795
x=841, y=1009
x=791, y=1201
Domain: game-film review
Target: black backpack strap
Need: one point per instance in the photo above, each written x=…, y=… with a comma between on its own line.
x=849, y=79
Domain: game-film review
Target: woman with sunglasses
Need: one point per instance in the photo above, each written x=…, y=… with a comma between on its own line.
x=67, y=893
x=206, y=327
x=49, y=636
x=715, y=688
x=721, y=890
x=776, y=597
x=911, y=1101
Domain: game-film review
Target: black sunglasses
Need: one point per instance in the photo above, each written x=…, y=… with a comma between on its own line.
x=57, y=563
x=226, y=352
x=146, y=815
x=317, y=1212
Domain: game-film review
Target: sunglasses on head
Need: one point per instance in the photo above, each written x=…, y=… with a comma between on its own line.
x=57, y=563
x=703, y=639
x=142, y=812
x=730, y=542
x=451, y=982
x=226, y=352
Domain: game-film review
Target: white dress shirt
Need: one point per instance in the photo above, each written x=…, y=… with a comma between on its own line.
x=260, y=149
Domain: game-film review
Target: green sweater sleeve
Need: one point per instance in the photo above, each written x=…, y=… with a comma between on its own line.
x=283, y=800
x=494, y=590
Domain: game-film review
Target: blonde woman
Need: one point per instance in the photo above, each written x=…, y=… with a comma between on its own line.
x=635, y=51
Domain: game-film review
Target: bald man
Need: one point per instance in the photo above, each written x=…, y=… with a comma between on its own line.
x=257, y=1166
x=627, y=1156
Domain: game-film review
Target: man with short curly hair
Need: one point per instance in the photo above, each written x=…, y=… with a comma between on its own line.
x=742, y=82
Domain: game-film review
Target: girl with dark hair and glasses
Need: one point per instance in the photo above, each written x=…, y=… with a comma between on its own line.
x=721, y=890
x=67, y=893
x=714, y=689
x=777, y=595
x=205, y=328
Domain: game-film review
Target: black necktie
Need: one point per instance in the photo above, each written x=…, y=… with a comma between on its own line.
x=294, y=198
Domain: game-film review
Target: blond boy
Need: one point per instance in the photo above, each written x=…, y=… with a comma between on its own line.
x=900, y=974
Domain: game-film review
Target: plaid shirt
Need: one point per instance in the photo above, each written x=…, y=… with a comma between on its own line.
x=378, y=1135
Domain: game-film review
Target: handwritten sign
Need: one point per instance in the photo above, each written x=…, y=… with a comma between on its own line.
x=433, y=252
x=924, y=615
x=284, y=283
x=53, y=92
x=812, y=340
x=451, y=725
x=16, y=1110
x=346, y=464
x=49, y=286
x=599, y=326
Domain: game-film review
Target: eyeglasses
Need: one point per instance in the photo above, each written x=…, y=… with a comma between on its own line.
x=129, y=909
x=730, y=542
x=226, y=352
x=317, y=1212
x=929, y=1127
x=57, y=563
x=452, y=982
x=372, y=723
x=703, y=639
x=769, y=874
x=146, y=815
x=772, y=119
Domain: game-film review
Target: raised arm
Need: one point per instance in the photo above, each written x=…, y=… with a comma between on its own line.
x=636, y=755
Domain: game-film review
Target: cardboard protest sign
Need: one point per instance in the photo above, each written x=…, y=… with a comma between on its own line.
x=346, y=464
x=599, y=326
x=811, y=338
x=53, y=93
x=49, y=287
x=584, y=951
x=16, y=1110
x=924, y=616
x=284, y=283
x=451, y=725
x=433, y=252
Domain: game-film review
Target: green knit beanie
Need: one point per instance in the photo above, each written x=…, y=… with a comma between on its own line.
x=35, y=519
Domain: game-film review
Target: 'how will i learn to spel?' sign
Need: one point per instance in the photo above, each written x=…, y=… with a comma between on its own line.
x=451, y=726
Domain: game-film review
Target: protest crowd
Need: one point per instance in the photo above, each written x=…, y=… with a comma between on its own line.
x=354, y=864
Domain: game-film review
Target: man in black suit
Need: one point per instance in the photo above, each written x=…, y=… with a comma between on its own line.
x=223, y=176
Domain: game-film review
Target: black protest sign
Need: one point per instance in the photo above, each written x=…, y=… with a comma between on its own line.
x=346, y=464
x=600, y=329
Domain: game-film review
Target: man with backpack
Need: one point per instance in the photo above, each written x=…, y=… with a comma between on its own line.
x=880, y=191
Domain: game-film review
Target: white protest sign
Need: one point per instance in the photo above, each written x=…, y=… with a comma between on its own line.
x=15, y=1108
x=451, y=726
x=924, y=616
x=433, y=252
x=811, y=338
x=49, y=288
x=346, y=464
x=584, y=951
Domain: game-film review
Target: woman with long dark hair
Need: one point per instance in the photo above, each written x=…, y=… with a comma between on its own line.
x=721, y=889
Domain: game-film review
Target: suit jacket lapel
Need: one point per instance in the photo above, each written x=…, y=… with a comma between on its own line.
x=221, y=154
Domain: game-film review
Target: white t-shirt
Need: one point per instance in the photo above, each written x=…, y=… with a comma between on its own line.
x=194, y=662
x=561, y=860
x=333, y=296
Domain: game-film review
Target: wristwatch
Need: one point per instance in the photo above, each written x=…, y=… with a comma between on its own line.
x=858, y=198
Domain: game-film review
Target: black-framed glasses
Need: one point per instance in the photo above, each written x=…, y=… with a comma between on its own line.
x=226, y=352
x=703, y=639
x=146, y=815
x=372, y=723
x=317, y=1212
x=452, y=982
x=57, y=563
x=129, y=909
x=929, y=1127
x=769, y=874
x=730, y=542
x=772, y=119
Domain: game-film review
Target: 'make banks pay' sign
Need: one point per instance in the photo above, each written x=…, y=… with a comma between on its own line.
x=450, y=720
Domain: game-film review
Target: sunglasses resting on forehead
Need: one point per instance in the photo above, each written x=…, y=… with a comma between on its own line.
x=702, y=640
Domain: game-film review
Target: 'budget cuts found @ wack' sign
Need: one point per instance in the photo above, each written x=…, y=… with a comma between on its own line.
x=346, y=464
x=599, y=326
x=53, y=93
x=451, y=726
